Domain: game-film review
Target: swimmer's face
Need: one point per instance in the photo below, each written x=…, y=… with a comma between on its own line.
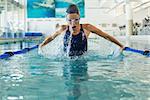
x=73, y=20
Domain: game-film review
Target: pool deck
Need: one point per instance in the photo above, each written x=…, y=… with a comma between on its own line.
x=136, y=38
x=12, y=40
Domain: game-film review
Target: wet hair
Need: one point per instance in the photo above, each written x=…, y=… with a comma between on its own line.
x=72, y=9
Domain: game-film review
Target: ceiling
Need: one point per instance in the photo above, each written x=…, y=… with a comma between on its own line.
x=104, y=5
x=108, y=5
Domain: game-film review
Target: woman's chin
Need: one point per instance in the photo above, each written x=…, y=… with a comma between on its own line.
x=74, y=30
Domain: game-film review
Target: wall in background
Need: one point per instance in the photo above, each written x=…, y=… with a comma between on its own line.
x=138, y=16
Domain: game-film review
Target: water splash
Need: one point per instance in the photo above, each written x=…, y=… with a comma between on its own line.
x=97, y=49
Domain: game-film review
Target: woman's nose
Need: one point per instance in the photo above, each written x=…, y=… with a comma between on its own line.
x=73, y=23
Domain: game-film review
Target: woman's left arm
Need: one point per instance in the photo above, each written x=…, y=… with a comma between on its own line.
x=97, y=31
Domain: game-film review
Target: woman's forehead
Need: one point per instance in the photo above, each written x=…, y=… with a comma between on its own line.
x=73, y=15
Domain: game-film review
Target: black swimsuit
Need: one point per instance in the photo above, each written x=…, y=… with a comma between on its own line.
x=78, y=43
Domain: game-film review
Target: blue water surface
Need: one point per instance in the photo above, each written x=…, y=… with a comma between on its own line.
x=92, y=77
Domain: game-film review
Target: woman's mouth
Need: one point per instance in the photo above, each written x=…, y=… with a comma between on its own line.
x=73, y=27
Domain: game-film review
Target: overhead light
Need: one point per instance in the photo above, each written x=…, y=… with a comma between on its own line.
x=16, y=0
x=102, y=3
x=118, y=1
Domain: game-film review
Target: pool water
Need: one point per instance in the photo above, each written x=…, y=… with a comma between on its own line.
x=92, y=77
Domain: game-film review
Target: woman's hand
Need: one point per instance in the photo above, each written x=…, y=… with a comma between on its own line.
x=40, y=50
x=146, y=52
x=40, y=45
x=122, y=48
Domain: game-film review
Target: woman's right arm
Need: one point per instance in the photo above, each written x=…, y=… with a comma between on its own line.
x=52, y=37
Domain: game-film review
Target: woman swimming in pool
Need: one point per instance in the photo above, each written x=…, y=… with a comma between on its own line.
x=76, y=34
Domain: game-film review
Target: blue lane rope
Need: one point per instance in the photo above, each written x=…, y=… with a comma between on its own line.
x=25, y=50
x=9, y=54
x=145, y=53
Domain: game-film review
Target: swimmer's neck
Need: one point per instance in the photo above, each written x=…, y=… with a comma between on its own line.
x=75, y=31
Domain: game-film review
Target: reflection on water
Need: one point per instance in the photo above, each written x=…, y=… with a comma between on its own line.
x=75, y=72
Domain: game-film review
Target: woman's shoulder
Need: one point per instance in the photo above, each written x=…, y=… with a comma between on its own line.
x=89, y=27
x=63, y=26
x=86, y=25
